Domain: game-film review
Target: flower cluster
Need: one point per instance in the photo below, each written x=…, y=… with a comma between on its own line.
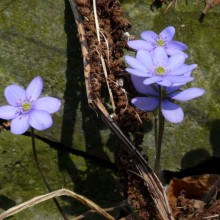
x=160, y=62
x=27, y=109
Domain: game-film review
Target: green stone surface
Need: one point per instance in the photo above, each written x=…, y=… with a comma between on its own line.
x=40, y=38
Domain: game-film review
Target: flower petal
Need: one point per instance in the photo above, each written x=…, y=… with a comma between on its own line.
x=140, y=45
x=172, y=51
x=20, y=124
x=179, y=79
x=165, y=82
x=168, y=33
x=134, y=63
x=34, y=89
x=187, y=94
x=172, y=112
x=176, y=61
x=180, y=84
x=183, y=70
x=48, y=104
x=142, y=88
x=153, y=79
x=138, y=72
x=189, y=73
x=173, y=88
x=13, y=94
x=8, y=112
x=149, y=36
x=160, y=57
x=40, y=120
x=177, y=45
x=145, y=103
x=145, y=58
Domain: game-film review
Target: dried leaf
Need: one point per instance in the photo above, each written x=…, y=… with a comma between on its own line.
x=195, y=187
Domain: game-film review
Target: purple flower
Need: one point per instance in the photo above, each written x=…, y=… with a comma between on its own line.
x=165, y=39
x=27, y=109
x=171, y=111
x=158, y=67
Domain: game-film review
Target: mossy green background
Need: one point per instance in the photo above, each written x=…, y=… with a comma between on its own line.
x=40, y=38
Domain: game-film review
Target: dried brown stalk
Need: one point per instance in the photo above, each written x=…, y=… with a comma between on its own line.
x=150, y=179
x=154, y=185
x=58, y=193
x=84, y=48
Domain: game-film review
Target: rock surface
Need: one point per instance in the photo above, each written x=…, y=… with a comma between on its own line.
x=40, y=38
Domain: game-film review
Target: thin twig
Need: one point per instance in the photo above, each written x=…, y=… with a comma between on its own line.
x=169, y=5
x=61, y=192
x=212, y=216
x=107, y=44
x=101, y=57
x=96, y=21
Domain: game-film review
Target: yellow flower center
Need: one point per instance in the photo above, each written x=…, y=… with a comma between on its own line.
x=160, y=70
x=160, y=43
x=26, y=106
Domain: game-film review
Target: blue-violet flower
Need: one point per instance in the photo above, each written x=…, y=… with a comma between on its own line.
x=165, y=39
x=159, y=68
x=171, y=111
x=27, y=109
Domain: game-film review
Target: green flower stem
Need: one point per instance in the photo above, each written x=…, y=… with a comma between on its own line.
x=159, y=135
x=155, y=131
x=42, y=175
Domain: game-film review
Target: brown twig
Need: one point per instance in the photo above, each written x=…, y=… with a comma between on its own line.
x=154, y=185
x=152, y=182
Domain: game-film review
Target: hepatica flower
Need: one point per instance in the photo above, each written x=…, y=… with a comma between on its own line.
x=158, y=67
x=170, y=110
x=27, y=109
x=150, y=41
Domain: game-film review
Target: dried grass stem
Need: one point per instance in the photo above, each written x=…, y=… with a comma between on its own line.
x=62, y=192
